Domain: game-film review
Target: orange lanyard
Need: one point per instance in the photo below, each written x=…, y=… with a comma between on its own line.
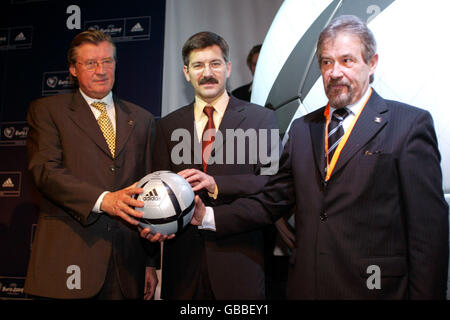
x=337, y=153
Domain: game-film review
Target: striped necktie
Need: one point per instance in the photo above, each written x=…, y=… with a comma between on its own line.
x=335, y=130
x=106, y=126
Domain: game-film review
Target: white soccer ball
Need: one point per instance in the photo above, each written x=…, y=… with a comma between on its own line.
x=169, y=202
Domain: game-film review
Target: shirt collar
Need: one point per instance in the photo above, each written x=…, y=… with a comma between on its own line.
x=354, y=108
x=220, y=105
x=108, y=99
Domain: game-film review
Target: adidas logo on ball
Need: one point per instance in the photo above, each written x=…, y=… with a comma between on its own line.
x=168, y=202
x=151, y=196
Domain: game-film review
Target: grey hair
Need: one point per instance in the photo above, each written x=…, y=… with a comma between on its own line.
x=94, y=37
x=352, y=25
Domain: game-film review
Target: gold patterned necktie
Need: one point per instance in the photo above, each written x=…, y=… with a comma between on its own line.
x=106, y=126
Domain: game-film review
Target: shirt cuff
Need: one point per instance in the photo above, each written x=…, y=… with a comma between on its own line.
x=208, y=222
x=98, y=203
x=215, y=194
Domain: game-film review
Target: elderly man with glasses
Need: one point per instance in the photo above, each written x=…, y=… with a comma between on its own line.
x=86, y=149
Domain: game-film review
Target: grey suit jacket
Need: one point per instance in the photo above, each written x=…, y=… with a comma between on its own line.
x=382, y=207
x=71, y=166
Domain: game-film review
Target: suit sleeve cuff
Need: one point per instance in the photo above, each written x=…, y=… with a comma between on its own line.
x=98, y=203
x=208, y=222
x=215, y=194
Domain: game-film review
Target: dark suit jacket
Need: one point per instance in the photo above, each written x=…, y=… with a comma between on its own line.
x=383, y=206
x=71, y=166
x=234, y=264
x=243, y=93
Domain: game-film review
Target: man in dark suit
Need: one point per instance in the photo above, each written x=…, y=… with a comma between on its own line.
x=195, y=264
x=245, y=92
x=84, y=162
x=371, y=219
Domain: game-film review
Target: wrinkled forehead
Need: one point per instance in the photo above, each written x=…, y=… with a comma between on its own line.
x=340, y=45
x=99, y=50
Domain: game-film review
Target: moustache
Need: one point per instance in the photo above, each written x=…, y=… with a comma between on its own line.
x=208, y=80
x=337, y=83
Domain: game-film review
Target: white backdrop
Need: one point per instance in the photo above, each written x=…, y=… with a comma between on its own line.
x=242, y=23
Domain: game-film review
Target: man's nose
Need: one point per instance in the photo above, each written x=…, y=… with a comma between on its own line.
x=207, y=70
x=336, y=71
x=99, y=68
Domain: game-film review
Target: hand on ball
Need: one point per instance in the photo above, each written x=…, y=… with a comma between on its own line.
x=120, y=203
x=199, y=212
x=146, y=234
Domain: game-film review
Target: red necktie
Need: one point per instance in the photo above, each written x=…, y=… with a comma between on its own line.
x=208, y=136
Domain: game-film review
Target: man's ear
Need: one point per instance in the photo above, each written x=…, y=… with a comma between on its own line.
x=228, y=69
x=73, y=70
x=186, y=73
x=373, y=63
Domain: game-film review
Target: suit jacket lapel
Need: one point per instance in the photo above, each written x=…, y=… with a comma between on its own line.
x=372, y=119
x=317, y=130
x=83, y=117
x=232, y=117
x=186, y=121
x=125, y=122
x=196, y=145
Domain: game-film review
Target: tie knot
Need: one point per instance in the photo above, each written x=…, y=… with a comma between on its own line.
x=208, y=110
x=340, y=114
x=99, y=105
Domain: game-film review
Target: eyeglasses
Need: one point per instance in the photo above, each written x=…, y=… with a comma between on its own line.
x=91, y=65
x=215, y=65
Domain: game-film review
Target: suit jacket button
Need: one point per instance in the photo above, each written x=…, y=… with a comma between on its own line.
x=323, y=216
x=112, y=168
